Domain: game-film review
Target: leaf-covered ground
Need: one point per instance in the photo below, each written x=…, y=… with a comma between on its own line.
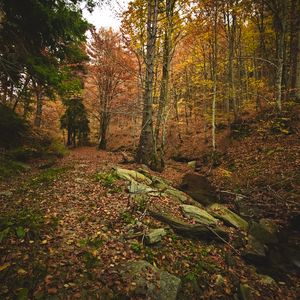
x=65, y=229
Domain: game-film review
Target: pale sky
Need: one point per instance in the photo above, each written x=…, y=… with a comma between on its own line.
x=107, y=14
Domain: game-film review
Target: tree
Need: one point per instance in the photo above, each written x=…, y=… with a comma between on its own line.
x=36, y=39
x=76, y=122
x=146, y=153
x=109, y=70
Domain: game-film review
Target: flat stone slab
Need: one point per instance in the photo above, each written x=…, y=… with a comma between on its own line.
x=133, y=175
x=200, y=215
x=222, y=212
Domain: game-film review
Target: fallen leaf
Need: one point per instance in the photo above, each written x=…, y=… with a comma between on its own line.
x=21, y=272
x=5, y=266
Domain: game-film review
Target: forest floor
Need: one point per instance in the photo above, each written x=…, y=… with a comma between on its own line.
x=67, y=232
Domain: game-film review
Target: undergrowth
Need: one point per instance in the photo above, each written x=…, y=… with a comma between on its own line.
x=10, y=167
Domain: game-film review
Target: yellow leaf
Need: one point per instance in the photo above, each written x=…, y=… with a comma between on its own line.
x=3, y=267
x=44, y=242
x=21, y=272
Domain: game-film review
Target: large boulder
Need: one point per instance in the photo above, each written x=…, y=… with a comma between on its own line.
x=176, y=195
x=149, y=282
x=133, y=175
x=199, y=188
x=222, y=212
x=263, y=233
x=140, y=188
x=200, y=215
x=255, y=251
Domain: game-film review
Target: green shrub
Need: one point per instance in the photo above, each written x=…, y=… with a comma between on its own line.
x=24, y=223
x=47, y=176
x=136, y=247
x=108, y=180
x=56, y=148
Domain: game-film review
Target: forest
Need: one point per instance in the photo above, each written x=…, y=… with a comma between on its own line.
x=159, y=160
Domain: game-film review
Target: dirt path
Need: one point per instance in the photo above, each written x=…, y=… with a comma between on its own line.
x=63, y=259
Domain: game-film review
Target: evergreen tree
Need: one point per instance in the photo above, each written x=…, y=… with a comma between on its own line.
x=76, y=122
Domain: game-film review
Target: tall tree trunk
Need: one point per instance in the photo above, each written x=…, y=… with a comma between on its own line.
x=39, y=107
x=279, y=11
x=296, y=54
x=145, y=151
x=104, y=121
x=214, y=67
x=231, y=31
x=164, y=88
x=297, y=81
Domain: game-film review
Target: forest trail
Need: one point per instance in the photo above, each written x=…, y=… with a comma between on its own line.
x=65, y=215
x=72, y=224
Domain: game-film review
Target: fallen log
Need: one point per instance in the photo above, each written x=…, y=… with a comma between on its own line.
x=196, y=231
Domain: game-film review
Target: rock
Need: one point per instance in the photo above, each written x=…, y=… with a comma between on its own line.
x=269, y=226
x=149, y=282
x=245, y=292
x=176, y=194
x=266, y=280
x=262, y=234
x=133, y=175
x=199, y=188
x=200, y=215
x=192, y=164
x=154, y=236
x=255, y=250
x=140, y=188
x=295, y=222
x=159, y=183
x=222, y=212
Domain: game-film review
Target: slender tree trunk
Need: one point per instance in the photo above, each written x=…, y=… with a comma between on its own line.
x=39, y=108
x=145, y=151
x=296, y=55
x=293, y=47
x=103, y=130
x=164, y=89
x=231, y=29
x=215, y=56
x=297, y=81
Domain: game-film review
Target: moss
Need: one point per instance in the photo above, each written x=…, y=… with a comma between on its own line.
x=108, y=180
x=47, y=176
x=136, y=247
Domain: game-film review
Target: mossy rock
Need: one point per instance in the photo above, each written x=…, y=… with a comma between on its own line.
x=149, y=282
x=200, y=215
x=133, y=175
x=262, y=233
x=255, y=251
x=222, y=212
